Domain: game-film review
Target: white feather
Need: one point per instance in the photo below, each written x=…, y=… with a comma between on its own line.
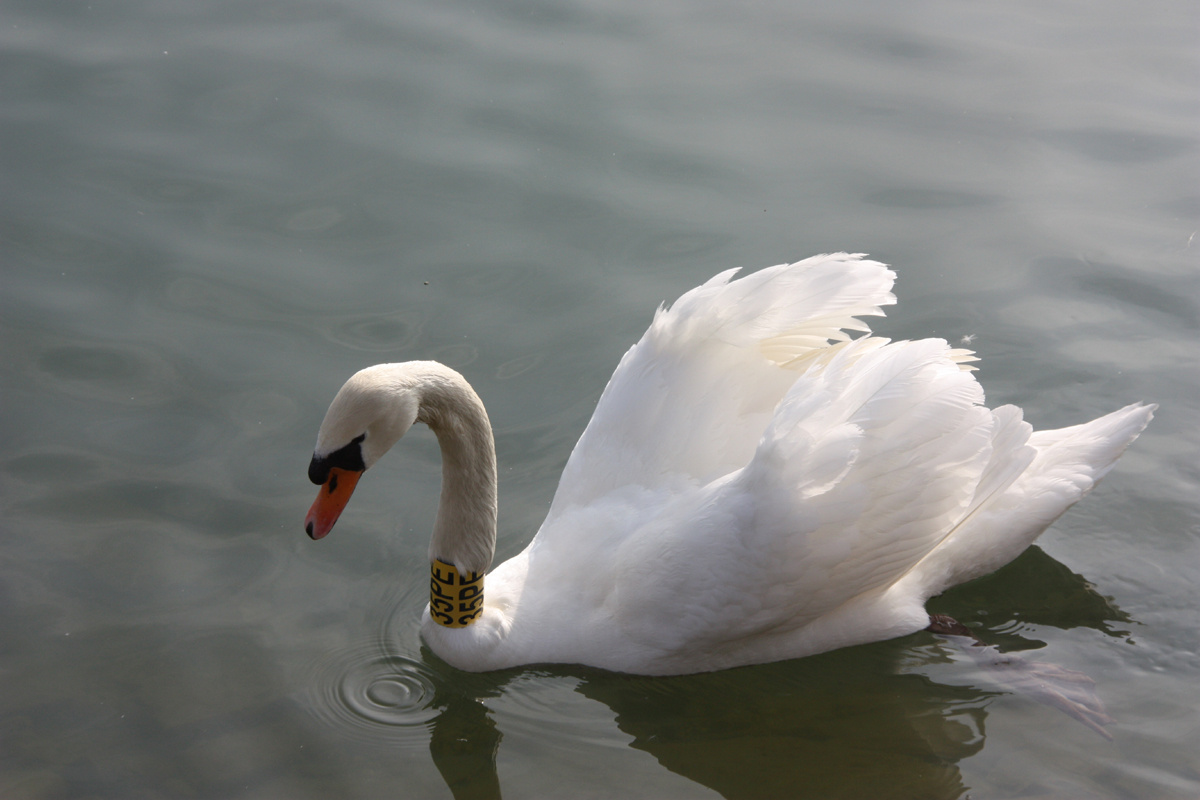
x=756, y=485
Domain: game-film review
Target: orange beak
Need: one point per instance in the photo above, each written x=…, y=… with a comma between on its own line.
x=331, y=499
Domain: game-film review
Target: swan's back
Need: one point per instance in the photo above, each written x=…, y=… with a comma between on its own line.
x=755, y=485
x=868, y=463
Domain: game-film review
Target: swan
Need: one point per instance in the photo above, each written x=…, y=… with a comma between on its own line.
x=754, y=485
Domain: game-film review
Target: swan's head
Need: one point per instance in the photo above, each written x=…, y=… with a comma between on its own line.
x=369, y=414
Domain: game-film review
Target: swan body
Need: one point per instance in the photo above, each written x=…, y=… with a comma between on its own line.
x=754, y=485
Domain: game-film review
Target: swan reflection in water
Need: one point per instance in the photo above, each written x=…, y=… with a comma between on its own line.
x=858, y=722
x=836, y=729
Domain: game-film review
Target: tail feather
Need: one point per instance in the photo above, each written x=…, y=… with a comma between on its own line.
x=1068, y=464
x=1083, y=454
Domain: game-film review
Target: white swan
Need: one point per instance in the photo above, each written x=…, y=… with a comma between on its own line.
x=753, y=486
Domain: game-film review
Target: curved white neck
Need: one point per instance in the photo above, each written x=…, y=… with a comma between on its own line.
x=464, y=533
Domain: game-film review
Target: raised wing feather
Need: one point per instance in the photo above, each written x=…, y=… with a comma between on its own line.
x=691, y=399
x=869, y=460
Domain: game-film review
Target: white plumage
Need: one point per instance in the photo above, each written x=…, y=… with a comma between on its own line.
x=754, y=485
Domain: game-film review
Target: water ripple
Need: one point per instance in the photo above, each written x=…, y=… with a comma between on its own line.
x=375, y=332
x=374, y=696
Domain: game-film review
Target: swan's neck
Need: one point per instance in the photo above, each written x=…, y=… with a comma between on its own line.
x=464, y=534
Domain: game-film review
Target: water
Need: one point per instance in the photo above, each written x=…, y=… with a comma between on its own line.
x=213, y=213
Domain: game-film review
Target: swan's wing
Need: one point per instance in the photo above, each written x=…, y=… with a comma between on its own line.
x=690, y=400
x=881, y=480
x=869, y=461
x=883, y=453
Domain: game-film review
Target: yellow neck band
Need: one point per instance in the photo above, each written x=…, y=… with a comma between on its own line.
x=455, y=601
